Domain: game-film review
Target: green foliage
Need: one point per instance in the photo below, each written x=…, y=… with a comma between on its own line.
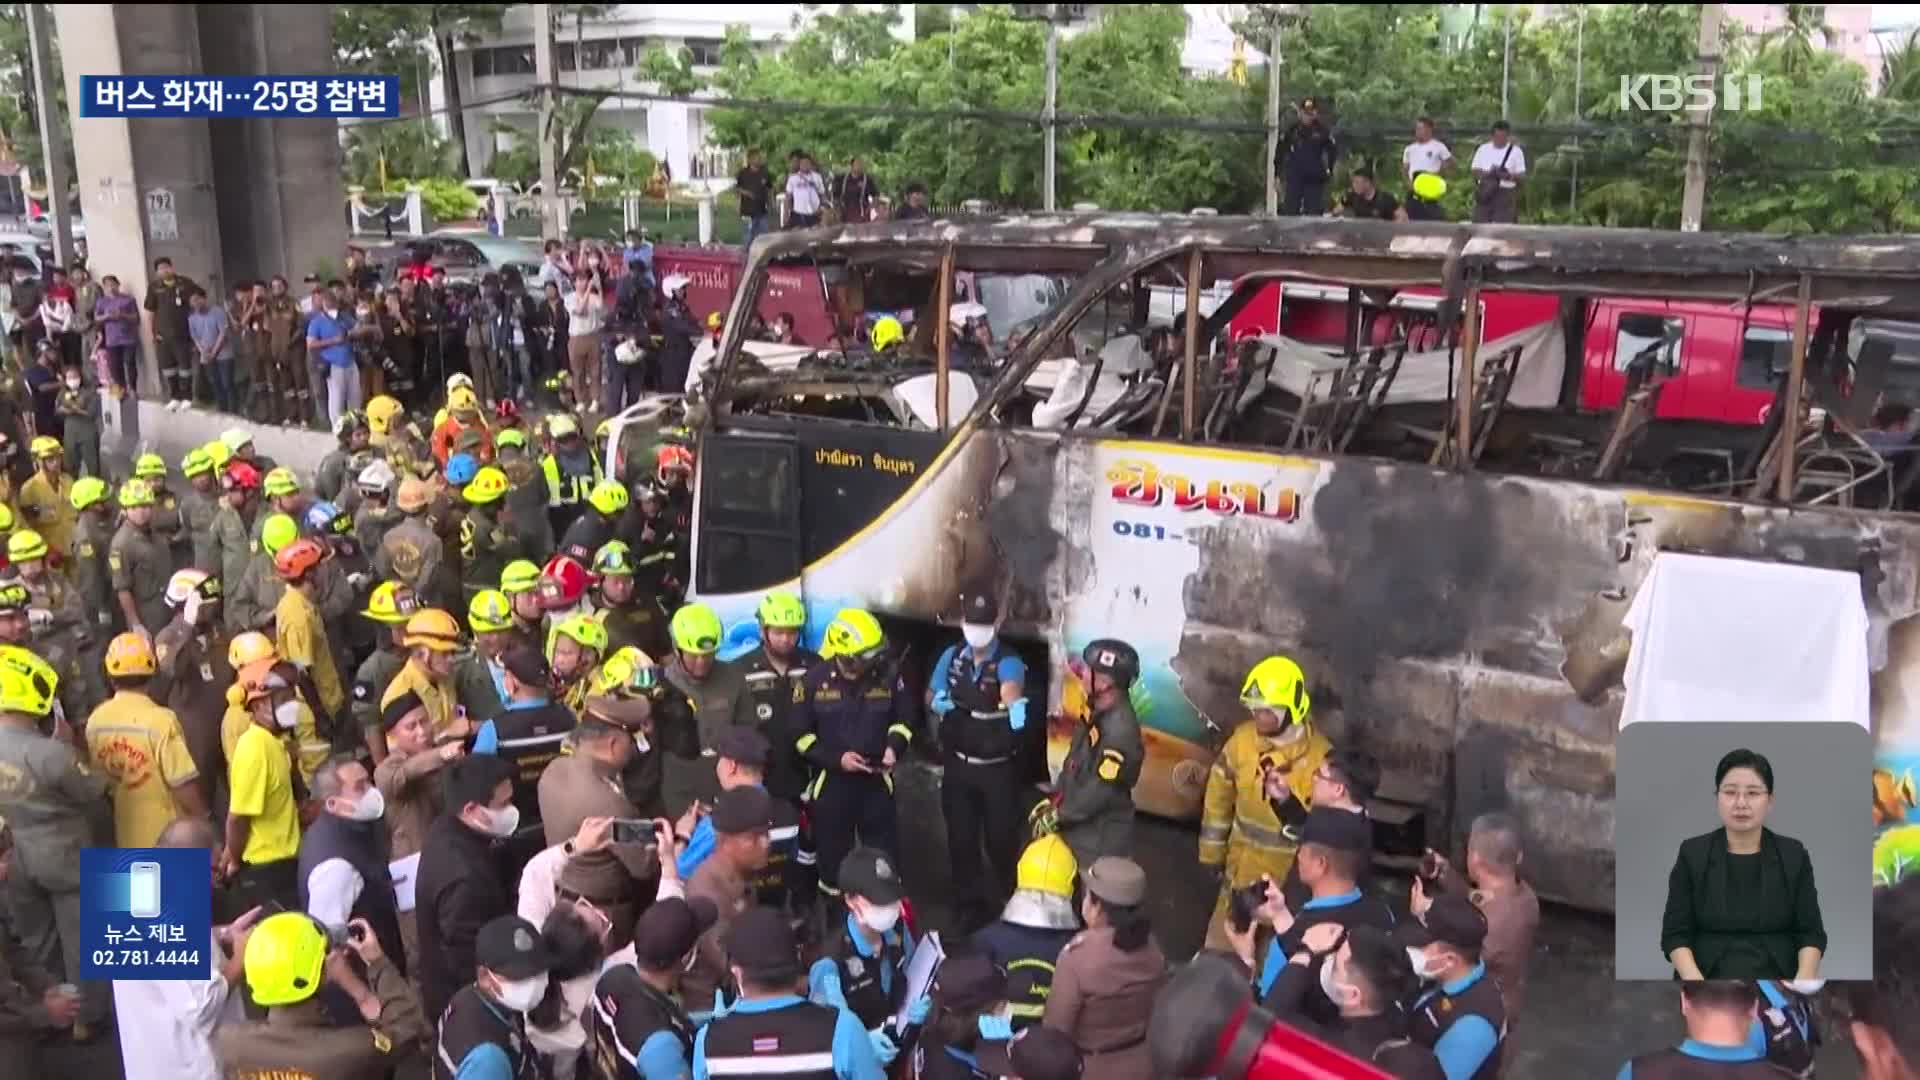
x=447, y=199
x=671, y=70
x=19, y=116
x=408, y=149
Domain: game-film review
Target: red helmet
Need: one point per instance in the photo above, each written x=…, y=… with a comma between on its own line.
x=243, y=476
x=506, y=409
x=563, y=581
x=672, y=458
x=299, y=558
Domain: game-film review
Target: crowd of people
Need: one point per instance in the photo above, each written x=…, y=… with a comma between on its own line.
x=1308, y=152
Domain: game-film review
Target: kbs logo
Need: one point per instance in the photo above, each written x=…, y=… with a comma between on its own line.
x=1673, y=93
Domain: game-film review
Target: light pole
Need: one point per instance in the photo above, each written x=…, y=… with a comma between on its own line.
x=1284, y=15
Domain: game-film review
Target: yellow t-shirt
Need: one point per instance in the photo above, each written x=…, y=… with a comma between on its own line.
x=139, y=745
x=302, y=639
x=48, y=510
x=261, y=776
x=306, y=743
x=439, y=702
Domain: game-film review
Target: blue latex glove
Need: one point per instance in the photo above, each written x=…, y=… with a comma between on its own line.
x=1017, y=714
x=996, y=1028
x=942, y=703
x=884, y=1051
x=917, y=1012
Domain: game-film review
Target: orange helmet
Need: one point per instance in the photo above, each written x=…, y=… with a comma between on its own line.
x=298, y=558
x=562, y=583
x=672, y=459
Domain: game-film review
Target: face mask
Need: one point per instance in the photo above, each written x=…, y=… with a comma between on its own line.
x=978, y=635
x=1420, y=965
x=521, y=995
x=286, y=715
x=73, y=383
x=502, y=822
x=1330, y=986
x=364, y=310
x=881, y=918
x=594, y=262
x=1806, y=986
x=640, y=743
x=371, y=806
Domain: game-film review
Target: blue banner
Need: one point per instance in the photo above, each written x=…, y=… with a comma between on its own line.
x=146, y=913
x=242, y=96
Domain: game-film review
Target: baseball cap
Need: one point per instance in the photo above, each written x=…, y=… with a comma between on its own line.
x=761, y=942
x=527, y=667
x=978, y=607
x=742, y=810
x=970, y=981
x=867, y=872
x=511, y=948
x=1038, y=1053
x=1342, y=830
x=397, y=709
x=743, y=745
x=1452, y=918
x=1117, y=881
x=669, y=928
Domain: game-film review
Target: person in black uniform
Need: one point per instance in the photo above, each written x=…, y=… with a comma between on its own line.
x=1093, y=804
x=1720, y=1016
x=1365, y=972
x=530, y=732
x=773, y=673
x=636, y=1027
x=1304, y=160
x=594, y=528
x=484, y=1028
x=967, y=992
x=978, y=689
x=772, y=1031
x=1459, y=1016
x=854, y=720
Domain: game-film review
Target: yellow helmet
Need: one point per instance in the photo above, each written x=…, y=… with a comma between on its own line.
x=432, y=629
x=696, y=629
x=281, y=481
x=196, y=462
x=27, y=683
x=1277, y=683
x=490, y=612
x=489, y=486
x=586, y=632
x=87, y=491
x=26, y=546
x=284, y=958
x=614, y=559
x=277, y=532
x=1048, y=866
x=520, y=576
x=853, y=633
x=249, y=648
x=628, y=669
x=218, y=454
x=462, y=399
x=44, y=446
x=380, y=413
x=150, y=466
x=608, y=496
x=392, y=603
x=132, y=493
x=781, y=610
x=887, y=331
x=512, y=437
x=6, y=518
x=129, y=655
x=561, y=425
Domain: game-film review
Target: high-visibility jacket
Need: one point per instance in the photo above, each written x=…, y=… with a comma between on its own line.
x=1238, y=827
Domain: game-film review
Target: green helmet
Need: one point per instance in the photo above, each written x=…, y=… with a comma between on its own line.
x=278, y=532
x=519, y=576
x=614, y=559
x=696, y=630
x=150, y=467
x=782, y=611
x=87, y=491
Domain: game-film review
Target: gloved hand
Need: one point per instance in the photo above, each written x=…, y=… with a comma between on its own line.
x=942, y=703
x=996, y=1028
x=1044, y=819
x=721, y=1006
x=1017, y=714
x=917, y=1012
x=39, y=618
x=883, y=1048
x=358, y=580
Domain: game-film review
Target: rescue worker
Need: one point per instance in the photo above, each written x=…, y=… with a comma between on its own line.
x=571, y=469
x=264, y=790
x=978, y=689
x=772, y=675
x=93, y=584
x=282, y=491
x=649, y=531
x=489, y=534
x=669, y=727
x=140, y=563
x=374, y=518
x=192, y=674
x=636, y=1027
x=742, y=819
x=593, y=529
x=431, y=638
x=630, y=619
x=484, y=1030
x=531, y=731
x=1459, y=1015
x=864, y=969
x=381, y=412
x=479, y=678
x=564, y=591
x=673, y=470
x=1108, y=976
x=770, y=1030
x=348, y=571
x=139, y=745
x=1094, y=801
x=63, y=631
x=574, y=651
x=288, y=959
x=389, y=608
x=1241, y=833
x=1036, y=924
x=233, y=525
x=520, y=584
x=300, y=638
x=6, y=532
x=411, y=553
x=855, y=721
x=251, y=603
x=239, y=443
x=334, y=479
x=244, y=651
x=169, y=524
x=199, y=505
x=526, y=493
x=55, y=803
x=15, y=627
x=46, y=499
x=719, y=697
x=463, y=417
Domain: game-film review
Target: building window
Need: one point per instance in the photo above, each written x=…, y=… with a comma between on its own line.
x=482, y=60
x=1650, y=341
x=601, y=55
x=1765, y=355
x=706, y=51
x=563, y=58
x=632, y=49
x=506, y=60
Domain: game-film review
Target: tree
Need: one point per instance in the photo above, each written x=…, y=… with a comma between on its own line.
x=1900, y=72
x=19, y=104
x=1794, y=38
x=394, y=38
x=671, y=71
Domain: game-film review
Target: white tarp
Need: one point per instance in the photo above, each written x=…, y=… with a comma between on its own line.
x=1729, y=639
x=1423, y=375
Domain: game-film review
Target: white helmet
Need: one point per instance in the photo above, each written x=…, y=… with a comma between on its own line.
x=377, y=476
x=182, y=585
x=959, y=315
x=673, y=283
x=459, y=380
x=235, y=438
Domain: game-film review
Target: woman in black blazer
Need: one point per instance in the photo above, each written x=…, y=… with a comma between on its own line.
x=1741, y=902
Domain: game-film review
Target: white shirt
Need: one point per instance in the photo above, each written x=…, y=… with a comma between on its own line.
x=56, y=315
x=804, y=191
x=174, y=1036
x=554, y=270
x=1427, y=156
x=1490, y=156
x=585, y=314
x=540, y=885
x=332, y=890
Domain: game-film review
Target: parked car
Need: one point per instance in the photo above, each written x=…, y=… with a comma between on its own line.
x=467, y=254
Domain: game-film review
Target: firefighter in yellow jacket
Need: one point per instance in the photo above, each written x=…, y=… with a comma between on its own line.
x=1241, y=831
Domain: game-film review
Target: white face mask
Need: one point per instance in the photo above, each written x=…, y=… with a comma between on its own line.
x=881, y=918
x=1420, y=965
x=371, y=806
x=502, y=822
x=521, y=995
x=978, y=635
x=1330, y=986
x=286, y=715
x=73, y=383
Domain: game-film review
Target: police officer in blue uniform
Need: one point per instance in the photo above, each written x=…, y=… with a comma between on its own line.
x=853, y=720
x=1720, y=1016
x=1460, y=1016
x=864, y=969
x=979, y=691
x=772, y=1031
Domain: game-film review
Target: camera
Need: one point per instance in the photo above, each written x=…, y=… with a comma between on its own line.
x=1243, y=902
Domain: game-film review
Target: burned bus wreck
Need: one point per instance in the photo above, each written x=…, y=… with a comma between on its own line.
x=1451, y=566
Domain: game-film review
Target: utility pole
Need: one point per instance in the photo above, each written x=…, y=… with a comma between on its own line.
x=553, y=219
x=52, y=141
x=1053, y=93
x=1506, y=59
x=1693, y=202
x=1273, y=120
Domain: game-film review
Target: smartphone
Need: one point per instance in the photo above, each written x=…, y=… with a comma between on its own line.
x=144, y=890
x=632, y=831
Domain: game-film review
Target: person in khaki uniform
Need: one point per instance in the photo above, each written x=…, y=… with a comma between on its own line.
x=62, y=630
x=140, y=563
x=287, y=961
x=411, y=552
x=409, y=778
x=169, y=525
x=93, y=584
x=1107, y=977
x=46, y=499
x=193, y=674
x=431, y=639
x=390, y=606
x=199, y=505
x=231, y=529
